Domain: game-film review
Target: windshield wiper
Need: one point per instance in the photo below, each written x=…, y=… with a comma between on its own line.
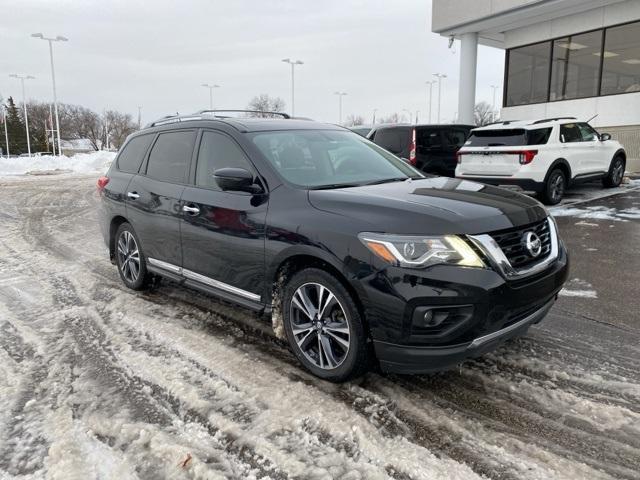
x=335, y=185
x=388, y=180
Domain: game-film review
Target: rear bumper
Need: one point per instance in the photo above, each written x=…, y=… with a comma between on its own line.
x=525, y=184
x=413, y=360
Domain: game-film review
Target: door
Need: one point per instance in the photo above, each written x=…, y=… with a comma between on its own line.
x=595, y=159
x=574, y=150
x=223, y=233
x=453, y=139
x=430, y=155
x=153, y=198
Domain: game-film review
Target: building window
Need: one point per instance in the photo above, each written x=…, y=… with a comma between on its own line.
x=575, y=70
x=528, y=74
x=621, y=66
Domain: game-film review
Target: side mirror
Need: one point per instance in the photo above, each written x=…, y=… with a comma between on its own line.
x=604, y=137
x=236, y=180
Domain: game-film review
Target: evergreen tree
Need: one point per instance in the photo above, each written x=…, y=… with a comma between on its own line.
x=15, y=128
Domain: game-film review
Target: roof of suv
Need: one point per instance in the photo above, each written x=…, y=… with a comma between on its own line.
x=527, y=124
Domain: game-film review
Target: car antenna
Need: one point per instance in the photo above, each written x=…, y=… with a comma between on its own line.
x=592, y=118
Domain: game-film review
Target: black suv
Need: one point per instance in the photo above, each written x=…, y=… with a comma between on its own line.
x=430, y=148
x=354, y=253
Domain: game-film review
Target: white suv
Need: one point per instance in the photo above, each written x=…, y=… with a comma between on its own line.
x=543, y=156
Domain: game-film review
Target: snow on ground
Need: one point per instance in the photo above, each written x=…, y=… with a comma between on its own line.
x=94, y=162
x=578, y=288
x=597, y=213
x=97, y=381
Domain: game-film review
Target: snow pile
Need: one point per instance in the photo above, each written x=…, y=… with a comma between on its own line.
x=94, y=162
x=597, y=213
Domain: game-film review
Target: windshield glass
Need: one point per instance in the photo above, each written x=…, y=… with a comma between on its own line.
x=326, y=158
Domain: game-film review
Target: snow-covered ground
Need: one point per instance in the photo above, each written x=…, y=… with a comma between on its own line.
x=95, y=162
x=97, y=381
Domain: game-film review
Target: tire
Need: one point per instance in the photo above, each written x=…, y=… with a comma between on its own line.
x=616, y=173
x=131, y=267
x=333, y=347
x=554, y=187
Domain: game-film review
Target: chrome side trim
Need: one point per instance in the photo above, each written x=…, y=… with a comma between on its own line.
x=165, y=265
x=528, y=319
x=203, y=279
x=492, y=250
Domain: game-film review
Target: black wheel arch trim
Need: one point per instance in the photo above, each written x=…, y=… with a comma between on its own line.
x=556, y=163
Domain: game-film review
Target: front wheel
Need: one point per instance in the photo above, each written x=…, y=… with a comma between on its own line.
x=616, y=172
x=554, y=187
x=323, y=326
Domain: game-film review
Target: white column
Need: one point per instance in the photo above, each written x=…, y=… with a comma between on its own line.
x=467, y=87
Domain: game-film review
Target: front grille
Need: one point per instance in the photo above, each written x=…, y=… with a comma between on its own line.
x=512, y=244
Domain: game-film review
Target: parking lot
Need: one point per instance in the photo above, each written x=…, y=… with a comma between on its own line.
x=103, y=382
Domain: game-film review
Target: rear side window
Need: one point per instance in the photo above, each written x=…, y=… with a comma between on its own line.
x=392, y=139
x=539, y=136
x=217, y=150
x=132, y=153
x=170, y=156
x=569, y=133
x=497, y=138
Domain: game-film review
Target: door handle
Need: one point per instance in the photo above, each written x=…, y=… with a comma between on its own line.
x=133, y=195
x=190, y=210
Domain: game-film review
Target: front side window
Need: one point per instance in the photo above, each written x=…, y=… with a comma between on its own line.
x=570, y=133
x=587, y=133
x=170, y=156
x=131, y=156
x=528, y=74
x=217, y=150
x=621, y=68
x=575, y=70
x=329, y=159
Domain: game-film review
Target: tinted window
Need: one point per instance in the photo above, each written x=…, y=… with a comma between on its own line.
x=327, y=158
x=393, y=139
x=428, y=139
x=497, y=138
x=132, y=153
x=528, y=74
x=621, y=69
x=569, y=133
x=575, y=71
x=587, y=133
x=539, y=136
x=217, y=150
x=170, y=156
x=454, y=138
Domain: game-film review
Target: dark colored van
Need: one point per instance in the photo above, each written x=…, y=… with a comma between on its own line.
x=429, y=148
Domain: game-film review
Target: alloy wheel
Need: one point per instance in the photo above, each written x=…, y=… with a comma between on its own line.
x=320, y=325
x=557, y=187
x=128, y=256
x=618, y=172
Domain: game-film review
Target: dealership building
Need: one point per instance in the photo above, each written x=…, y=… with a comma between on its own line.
x=576, y=58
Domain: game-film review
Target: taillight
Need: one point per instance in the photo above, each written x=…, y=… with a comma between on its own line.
x=526, y=156
x=102, y=183
x=412, y=149
x=459, y=156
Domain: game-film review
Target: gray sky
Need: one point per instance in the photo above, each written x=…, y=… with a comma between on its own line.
x=122, y=54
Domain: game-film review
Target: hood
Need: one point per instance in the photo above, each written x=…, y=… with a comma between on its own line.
x=431, y=206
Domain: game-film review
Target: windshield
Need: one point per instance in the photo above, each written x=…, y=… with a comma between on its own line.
x=330, y=159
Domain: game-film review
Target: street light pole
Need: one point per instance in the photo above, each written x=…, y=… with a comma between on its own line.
x=417, y=112
x=430, y=83
x=139, y=117
x=58, y=38
x=210, y=86
x=4, y=120
x=340, y=95
x=494, y=88
x=440, y=77
x=22, y=78
x=373, y=122
x=293, y=63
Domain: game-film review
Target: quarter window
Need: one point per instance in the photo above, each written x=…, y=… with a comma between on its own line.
x=132, y=153
x=170, y=156
x=217, y=150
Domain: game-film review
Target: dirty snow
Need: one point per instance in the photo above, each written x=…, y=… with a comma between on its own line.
x=597, y=213
x=95, y=162
x=578, y=288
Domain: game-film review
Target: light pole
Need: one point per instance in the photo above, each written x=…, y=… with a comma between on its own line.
x=408, y=113
x=417, y=112
x=340, y=95
x=494, y=88
x=210, y=86
x=139, y=117
x=440, y=77
x=373, y=121
x=4, y=121
x=58, y=38
x=293, y=63
x=22, y=78
x=430, y=83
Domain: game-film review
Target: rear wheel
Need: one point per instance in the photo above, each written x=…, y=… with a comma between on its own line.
x=616, y=173
x=130, y=259
x=323, y=326
x=554, y=187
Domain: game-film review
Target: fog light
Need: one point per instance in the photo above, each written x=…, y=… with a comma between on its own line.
x=428, y=317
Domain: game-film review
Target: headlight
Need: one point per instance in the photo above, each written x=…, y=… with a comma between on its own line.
x=421, y=252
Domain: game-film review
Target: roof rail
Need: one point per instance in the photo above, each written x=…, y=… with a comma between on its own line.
x=214, y=112
x=172, y=119
x=545, y=120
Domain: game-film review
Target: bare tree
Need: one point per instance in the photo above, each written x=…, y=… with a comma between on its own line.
x=393, y=118
x=353, y=120
x=118, y=126
x=483, y=114
x=265, y=103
